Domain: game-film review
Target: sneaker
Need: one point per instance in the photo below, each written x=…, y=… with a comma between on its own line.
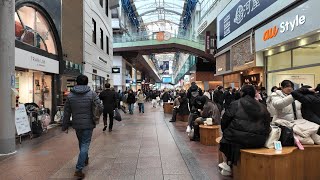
x=225, y=166
x=225, y=173
x=105, y=128
x=79, y=174
x=188, y=129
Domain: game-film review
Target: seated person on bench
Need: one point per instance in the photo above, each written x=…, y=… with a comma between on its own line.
x=246, y=124
x=210, y=110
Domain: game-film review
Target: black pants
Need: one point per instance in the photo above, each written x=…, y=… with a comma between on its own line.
x=105, y=121
x=174, y=114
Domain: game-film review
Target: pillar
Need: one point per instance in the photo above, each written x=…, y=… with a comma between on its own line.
x=7, y=76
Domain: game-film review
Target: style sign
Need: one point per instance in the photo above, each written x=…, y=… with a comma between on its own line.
x=298, y=22
x=21, y=120
x=284, y=27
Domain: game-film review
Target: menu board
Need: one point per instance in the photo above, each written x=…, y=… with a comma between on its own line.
x=21, y=120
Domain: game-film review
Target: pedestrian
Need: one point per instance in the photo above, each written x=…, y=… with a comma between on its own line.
x=131, y=99
x=109, y=99
x=79, y=105
x=141, y=97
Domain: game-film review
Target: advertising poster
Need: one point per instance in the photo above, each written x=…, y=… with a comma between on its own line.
x=164, y=68
x=297, y=79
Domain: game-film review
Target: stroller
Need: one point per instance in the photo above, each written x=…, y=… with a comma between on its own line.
x=39, y=118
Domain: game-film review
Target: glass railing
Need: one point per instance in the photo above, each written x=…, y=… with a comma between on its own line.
x=148, y=36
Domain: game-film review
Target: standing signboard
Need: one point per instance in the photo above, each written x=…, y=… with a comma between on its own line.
x=21, y=120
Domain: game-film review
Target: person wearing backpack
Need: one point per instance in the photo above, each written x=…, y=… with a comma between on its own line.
x=81, y=103
x=193, y=92
x=109, y=99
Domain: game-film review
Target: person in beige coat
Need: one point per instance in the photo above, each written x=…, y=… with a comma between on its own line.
x=141, y=98
x=288, y=113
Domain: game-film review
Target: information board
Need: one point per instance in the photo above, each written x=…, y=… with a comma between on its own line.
x=21, y=120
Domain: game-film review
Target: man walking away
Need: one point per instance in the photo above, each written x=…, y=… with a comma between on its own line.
x=109, y=100
x=79, y=103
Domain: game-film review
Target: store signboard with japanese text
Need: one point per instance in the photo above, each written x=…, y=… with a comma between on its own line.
x=21, y=120
x=297, y=22
x=241, y=15
x=29, y=60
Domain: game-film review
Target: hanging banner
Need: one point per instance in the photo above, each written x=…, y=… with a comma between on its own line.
x=207, y=42
x=21, y=120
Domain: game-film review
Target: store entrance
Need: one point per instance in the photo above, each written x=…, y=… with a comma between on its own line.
x=34, y=87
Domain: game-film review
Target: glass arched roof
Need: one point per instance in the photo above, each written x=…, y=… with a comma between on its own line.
x=160, y=15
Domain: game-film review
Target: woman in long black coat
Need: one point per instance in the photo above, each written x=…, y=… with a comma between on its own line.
x=183, y=108
x=246, y=124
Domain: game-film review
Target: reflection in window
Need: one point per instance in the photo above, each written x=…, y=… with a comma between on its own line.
x=32, y=28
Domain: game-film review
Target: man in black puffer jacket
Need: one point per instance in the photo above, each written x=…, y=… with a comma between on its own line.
x=246, y=124
x=79, y=104
x=310, y=102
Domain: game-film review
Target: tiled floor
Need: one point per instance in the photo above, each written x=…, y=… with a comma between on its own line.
x=142, y=146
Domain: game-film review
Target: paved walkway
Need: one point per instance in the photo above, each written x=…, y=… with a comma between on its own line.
x=142, y=146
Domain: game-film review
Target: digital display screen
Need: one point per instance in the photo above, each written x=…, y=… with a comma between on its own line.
x=166, y=80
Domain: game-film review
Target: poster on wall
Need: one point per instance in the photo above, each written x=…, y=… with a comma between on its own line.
x=297, y=79
x=21, y=120
x=164, y=68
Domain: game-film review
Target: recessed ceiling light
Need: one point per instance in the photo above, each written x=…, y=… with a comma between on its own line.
x=318, y=31
x=267, y=49
x=298, y=38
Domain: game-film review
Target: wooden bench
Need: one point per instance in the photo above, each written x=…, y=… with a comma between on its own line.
x=167, y=107
x=269, y=164
x=183, y=118
x=208, y=134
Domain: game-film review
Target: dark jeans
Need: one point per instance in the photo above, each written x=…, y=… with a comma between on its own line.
x=141, y=107
x=84, y=139
x=175, y=111
x=105, y=120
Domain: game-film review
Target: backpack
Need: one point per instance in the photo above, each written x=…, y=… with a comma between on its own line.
x=97, y=109
x=194, y=95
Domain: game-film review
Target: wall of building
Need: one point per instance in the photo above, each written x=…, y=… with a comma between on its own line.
x=72, y=34
x=119, y=79
x=97, y=61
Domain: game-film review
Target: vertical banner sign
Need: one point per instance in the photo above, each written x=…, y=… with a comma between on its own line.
x=207, y=42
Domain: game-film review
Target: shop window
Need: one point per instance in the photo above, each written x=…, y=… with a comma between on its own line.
x=97, y=83
x=32, y=28
x=107, y=44
x=101, y=3
x=94, y=31
x=279, y=61
x=306, y=55
x=101, y=38
x=107, y=8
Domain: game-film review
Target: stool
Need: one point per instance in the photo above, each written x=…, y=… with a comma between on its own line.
x=168, y=107
x=208, y=134
x=183, y=118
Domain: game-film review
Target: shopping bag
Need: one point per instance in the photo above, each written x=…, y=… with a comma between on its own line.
x=274, y=135
x=117, y=115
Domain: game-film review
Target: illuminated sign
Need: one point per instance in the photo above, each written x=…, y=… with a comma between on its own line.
x=284, y=27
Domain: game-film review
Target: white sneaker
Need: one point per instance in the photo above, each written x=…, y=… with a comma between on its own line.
x=188, y=129
x=225, y=166
x=225, y=173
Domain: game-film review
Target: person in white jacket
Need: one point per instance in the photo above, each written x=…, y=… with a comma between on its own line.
x=288, y=113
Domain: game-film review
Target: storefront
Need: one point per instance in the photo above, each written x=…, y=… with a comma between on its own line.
x=37, y=54
x=291, y=46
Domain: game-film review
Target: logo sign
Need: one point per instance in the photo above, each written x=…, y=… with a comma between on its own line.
x=115, y=70
x=160, y=36
x=297, y=22
x=240, y=14
x=284, y=27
